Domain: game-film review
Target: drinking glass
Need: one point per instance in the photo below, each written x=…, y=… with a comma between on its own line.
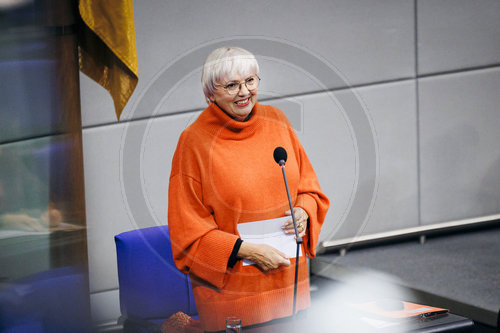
x=233, y=325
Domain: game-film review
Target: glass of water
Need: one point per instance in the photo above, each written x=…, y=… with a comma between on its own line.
x=233, y=325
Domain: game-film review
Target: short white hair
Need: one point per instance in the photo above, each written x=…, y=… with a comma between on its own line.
x=225, y=62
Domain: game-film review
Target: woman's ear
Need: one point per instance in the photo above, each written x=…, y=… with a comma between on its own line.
x=212, y=99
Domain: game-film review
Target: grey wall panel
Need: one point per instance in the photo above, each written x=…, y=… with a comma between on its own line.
x=157, y=150
x=106, y=213
x=453, y=35
x=110, y=194
x=96, y=103
x=393, y=200
x=392, y=108
x=460, y=154
x=105, y=307
x=364, y=40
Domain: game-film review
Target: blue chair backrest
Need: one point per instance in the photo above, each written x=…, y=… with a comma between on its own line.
x=150, y=284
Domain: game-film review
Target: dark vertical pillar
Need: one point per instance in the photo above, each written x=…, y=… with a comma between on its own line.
x=67, y=193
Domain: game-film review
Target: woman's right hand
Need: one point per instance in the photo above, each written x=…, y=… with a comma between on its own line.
x=266, y=257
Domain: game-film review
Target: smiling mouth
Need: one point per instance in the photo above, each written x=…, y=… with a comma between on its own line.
x=243, y=102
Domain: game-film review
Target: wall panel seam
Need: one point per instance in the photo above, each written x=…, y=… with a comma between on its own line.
x=417, y=115
x=101, y=291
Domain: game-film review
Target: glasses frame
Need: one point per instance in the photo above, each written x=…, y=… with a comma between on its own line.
x=239, y=85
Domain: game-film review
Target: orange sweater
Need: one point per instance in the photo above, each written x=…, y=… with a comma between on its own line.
x=224, y=173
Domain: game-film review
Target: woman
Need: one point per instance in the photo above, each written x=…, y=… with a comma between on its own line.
x=223, y=174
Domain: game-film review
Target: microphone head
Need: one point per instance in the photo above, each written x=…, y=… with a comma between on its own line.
x=280, y=155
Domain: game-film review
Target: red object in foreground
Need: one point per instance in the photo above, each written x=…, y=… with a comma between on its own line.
x=408, y=310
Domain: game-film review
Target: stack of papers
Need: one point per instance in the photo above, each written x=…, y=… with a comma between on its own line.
x=269, y=232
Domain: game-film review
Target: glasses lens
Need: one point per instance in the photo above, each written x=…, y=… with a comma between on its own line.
x=252, y=82
x=232, y=87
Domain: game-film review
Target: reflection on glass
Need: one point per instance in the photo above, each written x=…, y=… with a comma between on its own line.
x=24, y=202
x=43, y=256
x=24, y=117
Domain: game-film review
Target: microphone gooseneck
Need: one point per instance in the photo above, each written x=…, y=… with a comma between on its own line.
x=280, y=157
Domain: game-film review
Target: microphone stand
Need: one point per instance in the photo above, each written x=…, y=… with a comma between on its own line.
x=298, y=239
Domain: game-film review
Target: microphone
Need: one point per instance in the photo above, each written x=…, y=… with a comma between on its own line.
x=280, y=157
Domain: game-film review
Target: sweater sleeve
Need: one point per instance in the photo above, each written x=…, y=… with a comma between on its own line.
x=311, y=199
x=198, y=246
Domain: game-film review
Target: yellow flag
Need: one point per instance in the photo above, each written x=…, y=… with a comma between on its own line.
x=106, y=48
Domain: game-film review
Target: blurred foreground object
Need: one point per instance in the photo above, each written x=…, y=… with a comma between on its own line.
x=181, y=323
x=43, y=246
x=51, y=301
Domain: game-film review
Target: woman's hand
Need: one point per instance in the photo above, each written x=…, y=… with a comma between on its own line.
x=266, y=257
x=301, y=218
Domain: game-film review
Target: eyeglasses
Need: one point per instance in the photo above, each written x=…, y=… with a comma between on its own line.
x=233, y=87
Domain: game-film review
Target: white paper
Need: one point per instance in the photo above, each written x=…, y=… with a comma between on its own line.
x=269, y=232
x=422, y=309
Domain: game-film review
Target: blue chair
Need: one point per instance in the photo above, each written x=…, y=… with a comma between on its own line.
x=151, y=287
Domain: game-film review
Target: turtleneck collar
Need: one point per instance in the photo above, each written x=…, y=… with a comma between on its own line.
x=220, y=124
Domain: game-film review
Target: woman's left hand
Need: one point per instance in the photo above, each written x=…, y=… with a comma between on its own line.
x=301, y=218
